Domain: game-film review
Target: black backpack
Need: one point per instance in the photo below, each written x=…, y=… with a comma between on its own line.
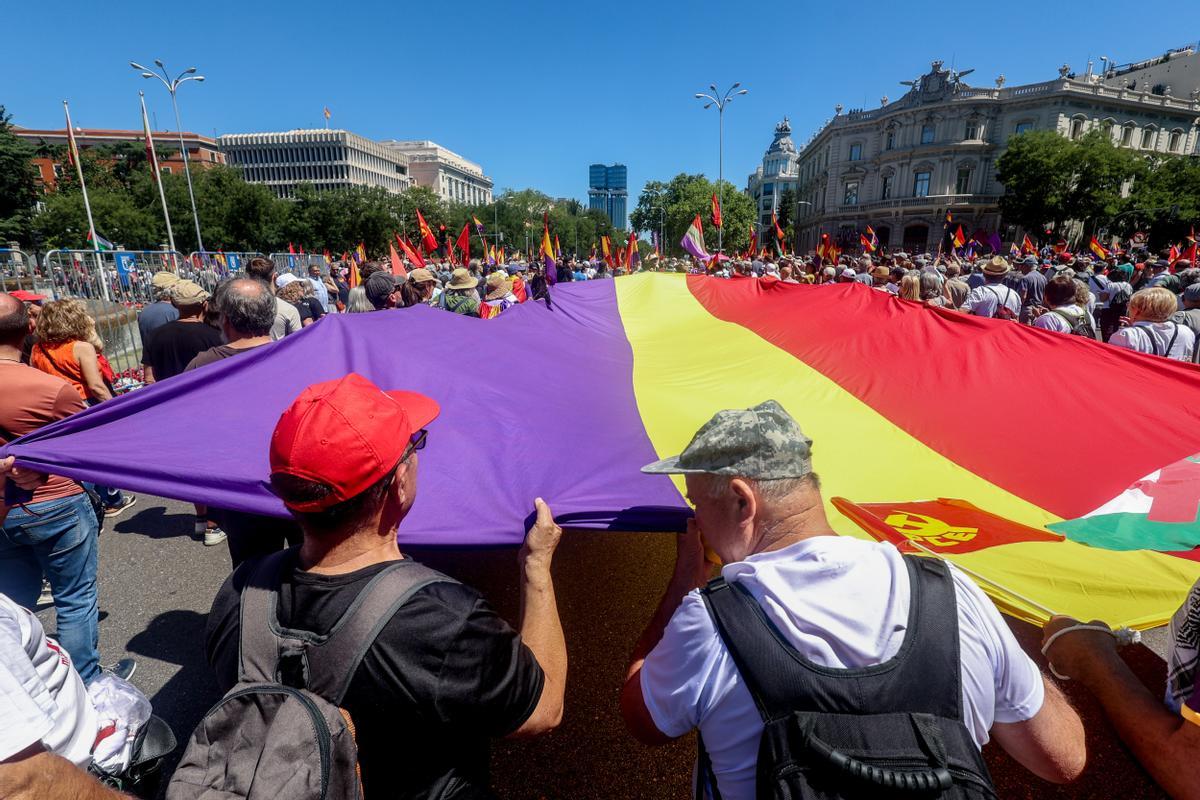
x=893, y=730
x=280, y=732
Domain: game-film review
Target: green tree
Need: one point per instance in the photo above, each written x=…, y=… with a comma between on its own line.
x=1036, y=171
x=18, y=183
x=1166, y=200
x=1100, y=173
x=683, y=198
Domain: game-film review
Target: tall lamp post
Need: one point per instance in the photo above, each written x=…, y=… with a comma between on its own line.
x=173, y=85
x=720, y=101
x=662, y=216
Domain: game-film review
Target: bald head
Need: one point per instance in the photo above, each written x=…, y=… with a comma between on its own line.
x=14, y=321
x=247, y=308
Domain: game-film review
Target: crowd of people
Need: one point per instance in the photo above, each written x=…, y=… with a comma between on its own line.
x=753, y=647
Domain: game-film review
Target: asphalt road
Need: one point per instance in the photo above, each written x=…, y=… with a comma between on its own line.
x=157, y=581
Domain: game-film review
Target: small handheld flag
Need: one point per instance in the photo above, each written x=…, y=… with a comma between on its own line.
x=428, y=240
x=959, y=239
x=548, y=257
x=716, y=211
x=1098, y=248
x=464, y=243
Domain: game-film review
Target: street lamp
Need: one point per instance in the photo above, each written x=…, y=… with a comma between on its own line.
x=172, y=87
x=662, y=216
x=720, y=101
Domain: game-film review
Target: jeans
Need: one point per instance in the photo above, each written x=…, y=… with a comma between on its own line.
x=56, y=538
x=111, y=498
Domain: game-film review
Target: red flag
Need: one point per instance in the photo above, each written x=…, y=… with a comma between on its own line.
x=464, y=243
x=778, y=230
x=428, y=240
x=1027, y=246
x=410, y=252
x=631, y=252
x=716, y=211
x=397, y=265
x=753, y=241
x=291, y=249
x=959, y=238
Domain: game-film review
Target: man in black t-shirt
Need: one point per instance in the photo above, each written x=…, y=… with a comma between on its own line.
x=445, y=673
x=172, y=346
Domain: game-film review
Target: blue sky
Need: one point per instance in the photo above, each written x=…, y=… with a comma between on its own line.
x=536, y=91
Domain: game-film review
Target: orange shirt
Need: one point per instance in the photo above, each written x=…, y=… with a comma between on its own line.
x=59, y=360
x=30, y=399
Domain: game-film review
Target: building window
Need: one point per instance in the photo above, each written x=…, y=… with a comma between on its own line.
x=1127, y=136
x=921, y=184
x=856, y=152
x=1148, y=139
x=850, y=198
x=972, y=129
x=885, y=188
x=1175, y=143
x=1023, y=127
x=962, y=182
x=927, y=133
x=890, y=140
x=1076, y=128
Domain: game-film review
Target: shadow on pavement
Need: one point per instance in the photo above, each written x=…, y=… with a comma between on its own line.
x=177, y=637
x=156, y=523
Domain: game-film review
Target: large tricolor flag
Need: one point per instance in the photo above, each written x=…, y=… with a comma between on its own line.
x=1119, y=545
x=1099, y=249
x=959, y=238
x=693, y=241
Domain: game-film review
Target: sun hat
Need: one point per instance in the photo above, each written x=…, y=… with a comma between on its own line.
x=347, y=434
x=461, y=278
x=164, y=280
x=188, y=293
x=997, y=265
x=499, y=285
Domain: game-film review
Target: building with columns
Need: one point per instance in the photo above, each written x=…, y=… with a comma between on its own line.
x=454, y=178
x=778, y=172
x=899, y=168
x=327, y=159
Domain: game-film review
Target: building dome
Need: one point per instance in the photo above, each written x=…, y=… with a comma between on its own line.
x=782, y=143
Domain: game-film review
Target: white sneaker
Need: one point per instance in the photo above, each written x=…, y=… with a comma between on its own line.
x=213, y=536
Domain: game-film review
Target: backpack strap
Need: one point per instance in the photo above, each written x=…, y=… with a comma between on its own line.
x=1170, y=344
x=774, y=672
x=324, y=664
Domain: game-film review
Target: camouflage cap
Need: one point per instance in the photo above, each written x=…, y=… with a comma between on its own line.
x=763, y=443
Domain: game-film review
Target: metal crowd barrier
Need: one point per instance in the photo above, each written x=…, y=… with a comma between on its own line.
x=208, y=269
x=19, y=270
x=298, y=263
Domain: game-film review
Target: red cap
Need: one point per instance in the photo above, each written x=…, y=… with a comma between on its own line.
x=27, y=297
x=346, y=433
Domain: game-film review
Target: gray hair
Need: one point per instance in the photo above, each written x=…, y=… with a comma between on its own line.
x=247, y=305
x=773, y=490
x=931, y=285
x=357, y=302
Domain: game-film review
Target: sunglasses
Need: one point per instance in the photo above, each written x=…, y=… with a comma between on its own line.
x=417, y=442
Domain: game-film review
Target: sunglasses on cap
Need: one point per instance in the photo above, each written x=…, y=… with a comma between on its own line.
x=417, y=442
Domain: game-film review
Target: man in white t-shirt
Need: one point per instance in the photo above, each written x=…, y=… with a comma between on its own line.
x=48, y=721
x=994, y=298
x=840, y=602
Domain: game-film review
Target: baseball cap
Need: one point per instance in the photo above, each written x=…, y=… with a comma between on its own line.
x=164, y=280
x=347, y=434
x=284, y=279
x=188, y=293
x=26, y=297
x=378, y=287
x=847, y=273
x=762, y=442
x=421, y=275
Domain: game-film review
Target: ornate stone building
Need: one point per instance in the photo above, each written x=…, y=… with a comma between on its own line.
x=777, y=174
x=900, y=167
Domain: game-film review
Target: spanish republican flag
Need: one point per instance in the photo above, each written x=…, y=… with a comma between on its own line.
x=716, y=211
x=959, y=239
x=1028, y=248
x=606, y=248
x=778, y=230
x=360, y=252
x=548, y=261
x=631, y=252
x=478, y=225
x=824, y=248
x=428, y=240
x=1098, y=248
x=464, y=243
x=753, y=248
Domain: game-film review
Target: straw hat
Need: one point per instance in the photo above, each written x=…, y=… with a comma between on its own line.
x=997, y=266
x=499, y=285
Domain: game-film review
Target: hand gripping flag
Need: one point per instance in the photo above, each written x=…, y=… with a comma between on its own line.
x=693, y=241
x=428, y=240
x=716, y=211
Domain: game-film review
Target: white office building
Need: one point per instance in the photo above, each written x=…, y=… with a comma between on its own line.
x=327, y=159
x=454, y=178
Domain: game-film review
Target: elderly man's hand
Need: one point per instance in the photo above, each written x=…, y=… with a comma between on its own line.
x=543, y=537
x=25, y=478
x=1072, y=653
x=692, y=568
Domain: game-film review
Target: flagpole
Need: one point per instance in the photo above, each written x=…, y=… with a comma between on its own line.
x=157, y=176
x=87, y=204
